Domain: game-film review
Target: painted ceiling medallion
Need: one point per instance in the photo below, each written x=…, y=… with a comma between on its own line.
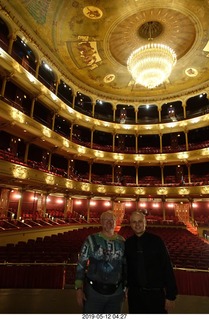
x=191, y=72
x=92, y=12
x=109, y=78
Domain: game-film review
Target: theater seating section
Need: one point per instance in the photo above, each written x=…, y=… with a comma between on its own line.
x=186, y=249
x=50, y=262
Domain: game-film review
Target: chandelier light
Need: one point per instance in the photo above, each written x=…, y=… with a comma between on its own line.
x=152, y=64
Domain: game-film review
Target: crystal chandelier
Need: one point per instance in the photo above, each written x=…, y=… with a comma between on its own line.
x=151, y=65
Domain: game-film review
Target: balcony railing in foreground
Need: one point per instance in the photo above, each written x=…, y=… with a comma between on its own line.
x=62, y=275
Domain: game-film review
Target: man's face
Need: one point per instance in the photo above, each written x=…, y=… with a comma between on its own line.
x=138, y=223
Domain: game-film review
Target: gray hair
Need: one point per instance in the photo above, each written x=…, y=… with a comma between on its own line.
x=108, y=212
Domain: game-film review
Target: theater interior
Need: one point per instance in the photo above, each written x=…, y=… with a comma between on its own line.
x=84, y=129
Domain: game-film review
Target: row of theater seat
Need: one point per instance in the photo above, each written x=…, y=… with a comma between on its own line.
x=51, y=260
x=47, y=262
x=186, y=249
x=61, y=247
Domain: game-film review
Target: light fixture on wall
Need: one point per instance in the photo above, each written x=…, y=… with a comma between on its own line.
x=151, y=64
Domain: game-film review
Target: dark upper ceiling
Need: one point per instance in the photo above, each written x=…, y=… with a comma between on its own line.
x=91, y=41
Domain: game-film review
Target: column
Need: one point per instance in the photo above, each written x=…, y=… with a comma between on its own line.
x=184, y=109
x=11, y=41
x=137, y=203
x=3, y=87
x=119, y=211
x=113, y=173
x=136, y=146
x=65, y=206
x=49, y=162
x=159, y=113
x=162, y=174
x=90, y=170
x=71, y=131
x=69, y=205
x=26, y=152
x=37, y=68
x=44, y=203
x=92, y=138
x=68, y=168
x=113, y=142
x=163, y=206
x=136, y=114
x=19, y=207
x=161, y=143
x=186, y=139
x=114, y=109
x=137, y=177
x=73, y=104
x=189, y=172
x=41, y=205
x=4, y=202
x=32, y=107
x=57, y=85
x=93, y=109
x=88, y=209
x=53, y=121
x=191, y=209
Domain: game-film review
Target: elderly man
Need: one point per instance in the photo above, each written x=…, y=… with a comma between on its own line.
x=100, y=270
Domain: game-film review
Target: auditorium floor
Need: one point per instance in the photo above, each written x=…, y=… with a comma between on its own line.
x=57, y=301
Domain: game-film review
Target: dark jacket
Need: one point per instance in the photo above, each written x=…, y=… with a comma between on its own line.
x=157, y=271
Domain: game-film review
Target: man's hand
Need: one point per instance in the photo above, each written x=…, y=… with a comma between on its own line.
x=125, y=293
x=80, y=297
x=169, y=305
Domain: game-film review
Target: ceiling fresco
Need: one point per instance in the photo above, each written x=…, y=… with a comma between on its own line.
x=92, y=40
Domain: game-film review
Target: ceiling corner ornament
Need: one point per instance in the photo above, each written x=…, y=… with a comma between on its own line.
x=152, y=64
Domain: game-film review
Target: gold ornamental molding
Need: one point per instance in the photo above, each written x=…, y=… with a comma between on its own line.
x=184, y=191
x=162, y=191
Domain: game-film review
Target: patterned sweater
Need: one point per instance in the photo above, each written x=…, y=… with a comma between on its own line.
x=101, y=259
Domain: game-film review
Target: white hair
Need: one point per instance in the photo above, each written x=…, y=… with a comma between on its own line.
x=108, y=212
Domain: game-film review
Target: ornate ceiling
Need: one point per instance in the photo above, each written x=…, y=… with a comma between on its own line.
x=91, y=41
